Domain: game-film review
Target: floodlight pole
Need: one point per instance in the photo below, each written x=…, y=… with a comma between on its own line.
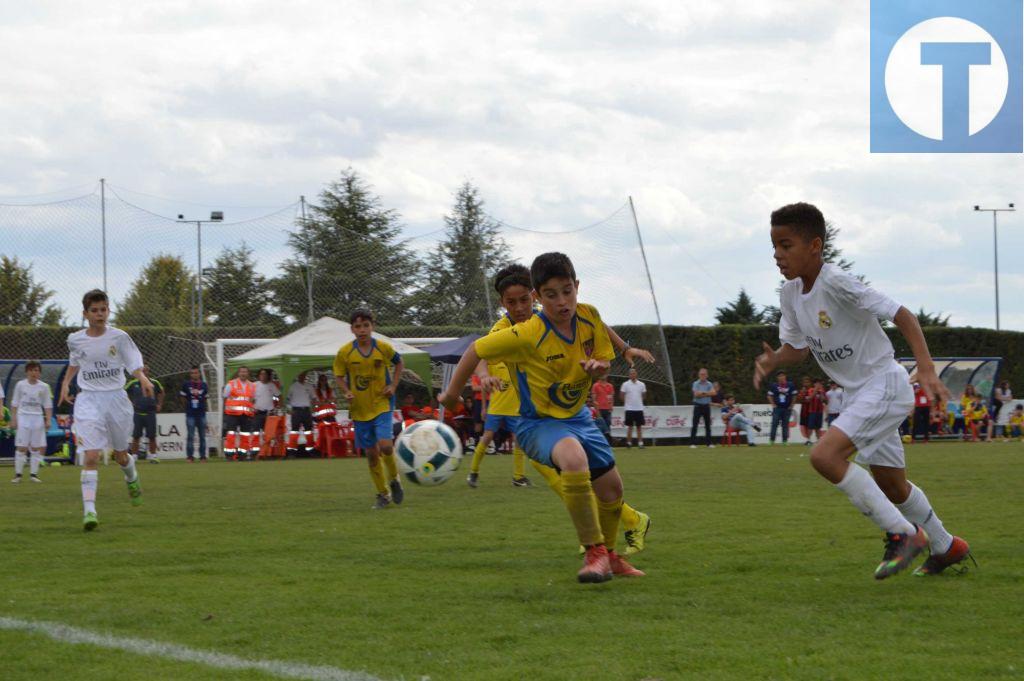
x=995, y=245
x=215, y=216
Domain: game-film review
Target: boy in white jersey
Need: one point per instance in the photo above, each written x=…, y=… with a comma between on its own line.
x=31, y=410
x=100, y=356
x=834, y=316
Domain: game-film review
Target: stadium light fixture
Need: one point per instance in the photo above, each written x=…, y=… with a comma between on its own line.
x=1011, y=208
x=215, y=216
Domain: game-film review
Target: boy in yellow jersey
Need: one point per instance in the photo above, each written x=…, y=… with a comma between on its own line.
x=367, y=371
x=553, y=357
x=1017, y=422
x=513, y=286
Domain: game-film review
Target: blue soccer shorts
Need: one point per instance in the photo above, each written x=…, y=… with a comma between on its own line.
x=538, y=438
x=496, y=422
x=369, y=433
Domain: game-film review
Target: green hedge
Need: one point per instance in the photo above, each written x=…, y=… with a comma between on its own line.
x=728, y=353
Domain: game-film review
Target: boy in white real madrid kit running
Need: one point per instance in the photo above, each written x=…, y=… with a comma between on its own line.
x=832, y=315
x=31, y=410
x=100, y=356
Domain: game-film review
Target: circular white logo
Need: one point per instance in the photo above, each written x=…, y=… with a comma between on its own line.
x=915, y=89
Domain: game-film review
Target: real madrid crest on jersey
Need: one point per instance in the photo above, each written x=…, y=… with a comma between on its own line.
x=112, y=351
x=824, y=321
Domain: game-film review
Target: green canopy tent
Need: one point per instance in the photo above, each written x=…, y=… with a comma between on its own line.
x=314, y=347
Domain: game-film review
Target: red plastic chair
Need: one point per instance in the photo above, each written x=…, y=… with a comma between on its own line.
x=330, y=440
x=731, y=437
x=273, y=438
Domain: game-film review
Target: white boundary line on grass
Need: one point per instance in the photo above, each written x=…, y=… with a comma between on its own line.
x=172, y=651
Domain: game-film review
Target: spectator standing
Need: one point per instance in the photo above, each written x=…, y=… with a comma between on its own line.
x=781, y=394
x=703, y=391
x=268, y=396
x=633, y=392
x=816, y=402
x=603, y=393
x=239, y=400
x=300, y=401
x=804, y=398
x=146, y=408
x=1002, y=396
x=193, y=397
x=834, y=398
x=922, y=412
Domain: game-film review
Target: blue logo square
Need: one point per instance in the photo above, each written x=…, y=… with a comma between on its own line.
x=946, y=76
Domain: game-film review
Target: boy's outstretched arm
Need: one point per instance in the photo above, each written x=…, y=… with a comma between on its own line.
x=906, y=322
x=770, y=359
x=463, y=370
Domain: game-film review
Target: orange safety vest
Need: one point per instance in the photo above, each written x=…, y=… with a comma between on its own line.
x=241, y=398
x=324, y=408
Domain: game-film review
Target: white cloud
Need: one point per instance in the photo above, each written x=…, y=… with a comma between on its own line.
x=709, y=114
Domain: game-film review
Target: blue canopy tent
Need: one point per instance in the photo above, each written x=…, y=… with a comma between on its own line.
x=448, y=355
x=450, y=352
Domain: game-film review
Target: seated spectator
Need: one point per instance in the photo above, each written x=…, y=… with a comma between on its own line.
x=955, y=410
x=1017, y=422
x=937, y=421
x=410, y=412
x=735, y=419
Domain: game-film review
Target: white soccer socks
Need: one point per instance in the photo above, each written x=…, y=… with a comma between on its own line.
x=19, y=463
x=917, y=509
x=869, y=499
x=130, y=474
x=90, y=481
x=37, y=459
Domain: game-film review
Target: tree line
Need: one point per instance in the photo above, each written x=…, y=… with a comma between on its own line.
x=351, y=246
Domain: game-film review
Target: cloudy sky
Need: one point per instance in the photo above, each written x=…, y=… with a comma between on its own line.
x=709, y=114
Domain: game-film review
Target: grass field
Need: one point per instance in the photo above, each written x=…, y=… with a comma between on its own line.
x=757, y=569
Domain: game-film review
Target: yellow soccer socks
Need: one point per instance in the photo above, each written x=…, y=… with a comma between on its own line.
x=550, y=476
x=518, y=463
x=608, y=512
x=630, y=517
x=581, y=503
x=478, y=456
x=377, y=475
x=390, y=465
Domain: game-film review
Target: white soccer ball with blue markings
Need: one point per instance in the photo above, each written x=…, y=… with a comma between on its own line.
x=428, y=452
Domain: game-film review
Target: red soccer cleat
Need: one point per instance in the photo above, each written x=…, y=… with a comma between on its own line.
x=596, y=566
x=622, y=568
x=958, y=552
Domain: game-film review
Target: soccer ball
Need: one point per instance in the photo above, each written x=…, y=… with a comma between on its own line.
x=907, y=439
x=428, y=452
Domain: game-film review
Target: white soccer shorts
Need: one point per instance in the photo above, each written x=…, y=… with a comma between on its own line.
x=31, y=433
x=103, y=420
x=871, y=417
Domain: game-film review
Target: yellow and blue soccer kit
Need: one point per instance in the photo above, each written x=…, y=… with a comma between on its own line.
x=368, y=375
x=546, y=370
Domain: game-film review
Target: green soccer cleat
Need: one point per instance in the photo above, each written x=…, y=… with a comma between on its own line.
x=135, y=492
x=635, y=538
x=90, y=522
x=900, y=552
